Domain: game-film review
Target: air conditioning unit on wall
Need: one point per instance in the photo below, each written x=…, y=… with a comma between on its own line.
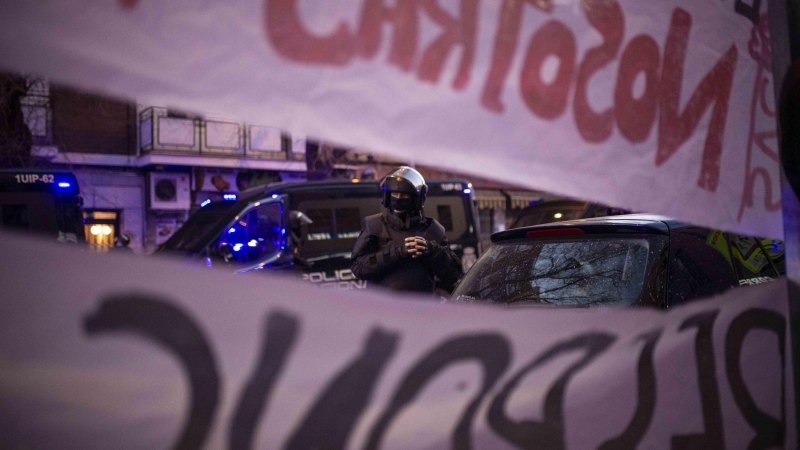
x=170, y=190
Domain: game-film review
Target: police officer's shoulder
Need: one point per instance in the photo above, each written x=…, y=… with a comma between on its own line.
x=435, y=228
x=373, y=224
x=373, y=217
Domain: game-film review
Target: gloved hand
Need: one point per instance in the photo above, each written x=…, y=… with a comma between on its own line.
x=417, y=246
x=396, y=251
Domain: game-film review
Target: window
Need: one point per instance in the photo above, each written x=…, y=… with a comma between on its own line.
x=337, y=222
x=449, y=211
x=37, y=111
x=580, y=272
x=322, y=227
x=199, y=229
x=42, y=212
x=15, y=217
x=700, y=264
x=750, y=262
x=445, y=217
x=256, y=235
x=347, y=223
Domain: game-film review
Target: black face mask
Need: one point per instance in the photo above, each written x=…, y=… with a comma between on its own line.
x=401, y=204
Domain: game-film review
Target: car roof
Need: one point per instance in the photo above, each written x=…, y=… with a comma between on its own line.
x=647, y=223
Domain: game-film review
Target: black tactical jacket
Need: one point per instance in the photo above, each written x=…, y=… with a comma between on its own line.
x=379, y=255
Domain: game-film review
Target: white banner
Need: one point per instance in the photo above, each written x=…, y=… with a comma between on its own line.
x=203, y=359
x=659, y=106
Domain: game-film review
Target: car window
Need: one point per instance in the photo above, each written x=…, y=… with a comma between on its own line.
x=584, y=271
x=256, y=235
x=754, y=259
x=700, y=264
x=776, y=253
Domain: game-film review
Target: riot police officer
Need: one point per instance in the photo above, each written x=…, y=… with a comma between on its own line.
x=400, y=248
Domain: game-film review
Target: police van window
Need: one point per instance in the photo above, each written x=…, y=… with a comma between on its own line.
x=337, y=223
x=15, y=217
x=445, y=217
x=753, y=259
x=256, y=235
x=322, y=226
x=347, y=223
x=452, y=205
x=334, y=223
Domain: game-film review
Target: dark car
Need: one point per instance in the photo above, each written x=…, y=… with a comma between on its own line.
x=622, y=260
x=551, y=211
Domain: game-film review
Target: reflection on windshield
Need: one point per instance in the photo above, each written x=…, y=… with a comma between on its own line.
x=583, y=272
x=193, y=235
x=255, y=235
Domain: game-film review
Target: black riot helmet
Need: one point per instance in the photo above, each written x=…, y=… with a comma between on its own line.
x=406, y=180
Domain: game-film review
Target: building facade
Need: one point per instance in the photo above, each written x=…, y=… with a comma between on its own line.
x=143, y=169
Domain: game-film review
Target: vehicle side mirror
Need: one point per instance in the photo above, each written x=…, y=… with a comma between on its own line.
x=225, y=251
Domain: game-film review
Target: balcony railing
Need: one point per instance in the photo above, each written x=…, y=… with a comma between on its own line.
x=162, y=132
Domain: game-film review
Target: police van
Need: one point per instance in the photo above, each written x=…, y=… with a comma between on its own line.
x=311, y=228
x=44, y=202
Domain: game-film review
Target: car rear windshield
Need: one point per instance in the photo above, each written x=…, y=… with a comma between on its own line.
x=588, y=270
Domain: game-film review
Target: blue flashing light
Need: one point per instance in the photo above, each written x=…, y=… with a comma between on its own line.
x=229, y=197
x=467, y=191
x=64, y=184
x=283, y=230
x=275, y=196
x=205, y=203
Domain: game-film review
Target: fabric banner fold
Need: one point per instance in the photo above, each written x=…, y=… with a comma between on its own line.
x=663, y=107
x=204, y=359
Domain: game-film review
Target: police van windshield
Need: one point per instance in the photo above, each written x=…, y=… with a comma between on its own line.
x=588, y=271
x=201, y=227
